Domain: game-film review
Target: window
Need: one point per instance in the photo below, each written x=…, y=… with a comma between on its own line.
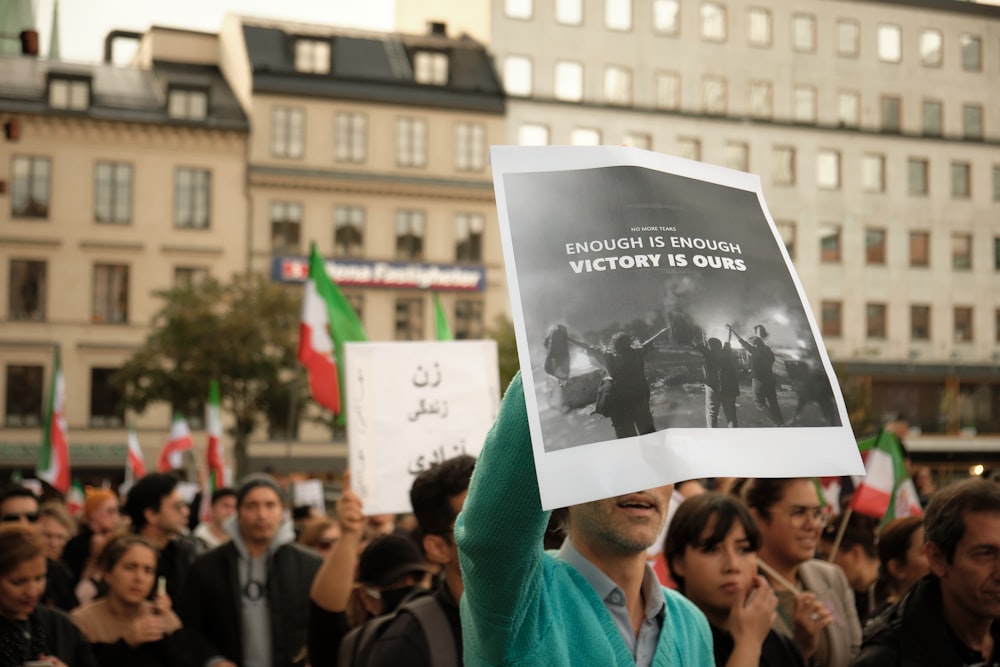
x=468, y=319
x=409, y=318
x=410, y=228
x=469, y=237
x=689, y=148
x=874, y=245
x=737, y=155
x=518, y=9
x=470, y=146
x=996, y=316
x=848, y=38
x=411, y=142
x=890, y=43
x=972, y=52
x=187, y=104
x=713, y=22
x=618, y=14
x=783, y=165
x=931, y=112
x=996, y=253
x=638, y=140
x=829, y=244
x=890, y=107
x=110, y=294
x=760, y=99
x=430, y=67
x=668, y=90
x=192, y=198
x=759, y=26
x=617, y=85
x=29, y=197
x=875, y=320
x=931, y=48
x=666, y=16
x=830, y=318
x=920, y=322
x=351, y=140
x=287, y=132
x=960, y=176
x=357, y=302
x=972, y=121
x=996, y=182
x=24, y=396
x=828, y=169
x=312, y=56
x=517, y=75
x=804, y=110
x=804, y=33
x=585, y=136
x=106, y=407
x=533, y=135
x=349, y=231
x=873, y=173
x=714, y=95
x=286, y=227
x=848, y=109
x=961, y=251
x=113, y=193
x=917, y=177
x=569, y=81
x=26, y=298
x=963, y=324
x=786, y=230
x=71, y=94
x=569, y=12
x=920, y=248
x=189, y=276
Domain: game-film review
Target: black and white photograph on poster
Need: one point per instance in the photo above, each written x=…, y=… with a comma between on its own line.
x=655, y=306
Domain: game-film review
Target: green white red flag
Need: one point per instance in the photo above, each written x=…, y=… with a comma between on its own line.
x=887, y=491
x=53, y=458
x=441, y=328
x=213, y=428
x=75, y=498
x=135, y=465
x=171, y=456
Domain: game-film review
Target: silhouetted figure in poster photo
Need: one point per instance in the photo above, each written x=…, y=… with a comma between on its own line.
x=722, y=383
x=765, y=394
x=626, y=365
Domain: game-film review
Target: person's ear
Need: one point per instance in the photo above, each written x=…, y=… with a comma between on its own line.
x=150, y=515
x=758, y=518
x=437, y=549
x=895, y=567
x=936, y=558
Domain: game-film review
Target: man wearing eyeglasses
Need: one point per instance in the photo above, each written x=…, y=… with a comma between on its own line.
x=19, y=505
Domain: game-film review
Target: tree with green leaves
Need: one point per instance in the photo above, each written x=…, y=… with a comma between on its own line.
x=502, y=332
x=243, y=333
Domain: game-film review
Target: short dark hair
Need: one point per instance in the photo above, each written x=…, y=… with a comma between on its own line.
x=691, y=518
x=944, y=519
x=224, y=492
x=16, y=491
x=762, y=494
x=118, y=547
x=894, y=540
x=148, y=494
x=434, y=488
x=860, y=530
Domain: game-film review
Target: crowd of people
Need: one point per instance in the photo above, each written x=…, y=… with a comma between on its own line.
x=752, y=572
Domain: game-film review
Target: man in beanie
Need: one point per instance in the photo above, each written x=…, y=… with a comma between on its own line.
x=246, y=602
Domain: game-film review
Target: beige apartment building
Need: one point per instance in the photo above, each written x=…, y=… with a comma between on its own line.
x=874, y=126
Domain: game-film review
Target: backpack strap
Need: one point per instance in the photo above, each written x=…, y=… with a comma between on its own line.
x=436, y=629
x=357, y=644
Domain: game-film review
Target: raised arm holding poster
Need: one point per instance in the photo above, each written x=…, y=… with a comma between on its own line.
x=653, y=301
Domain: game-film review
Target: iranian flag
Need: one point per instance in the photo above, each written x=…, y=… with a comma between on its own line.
x=213, y=450
x=441, y=327
x=53, y=458
x=180, y=440
x=887, y=491
x=75, y=499
x=328, y=321
x=135, y=466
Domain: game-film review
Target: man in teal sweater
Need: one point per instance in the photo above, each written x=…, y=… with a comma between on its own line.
x=595, y=602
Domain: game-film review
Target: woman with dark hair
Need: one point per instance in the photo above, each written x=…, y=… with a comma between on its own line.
x=30, y=631
x=815, y=602
x=902, y=558
x=125, y=627
x=711, y=548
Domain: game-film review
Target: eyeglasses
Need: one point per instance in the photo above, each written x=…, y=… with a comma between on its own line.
x=800, y=514
x=15, y=517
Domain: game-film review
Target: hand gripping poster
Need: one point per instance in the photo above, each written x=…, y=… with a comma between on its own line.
x=662, y=332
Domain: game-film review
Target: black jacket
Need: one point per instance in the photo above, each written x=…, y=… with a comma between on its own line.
x=210, y=604
x=913, y=633
x=403, y=642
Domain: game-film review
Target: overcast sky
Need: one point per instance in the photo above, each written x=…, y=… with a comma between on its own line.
x=84, y=23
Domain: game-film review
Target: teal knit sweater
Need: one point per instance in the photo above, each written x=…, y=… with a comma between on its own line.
x=522, y=606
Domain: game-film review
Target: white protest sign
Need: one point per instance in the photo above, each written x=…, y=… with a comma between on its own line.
x=309, y=492
x=411, y=405
x=668, y=277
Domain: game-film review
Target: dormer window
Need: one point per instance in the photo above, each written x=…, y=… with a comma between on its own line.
x=312, y=56
x=69, y=93
x=431, y=67
x=187, y=103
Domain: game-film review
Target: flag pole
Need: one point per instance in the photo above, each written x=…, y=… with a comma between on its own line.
x=840, y=533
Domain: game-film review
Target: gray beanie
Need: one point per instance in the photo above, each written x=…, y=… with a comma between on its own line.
x=255, y=480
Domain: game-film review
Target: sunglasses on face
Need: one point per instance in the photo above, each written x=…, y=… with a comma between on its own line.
x=32, y=517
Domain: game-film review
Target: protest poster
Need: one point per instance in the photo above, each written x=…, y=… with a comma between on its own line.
x=652, y=300
x=411, y=405
x=309, y=492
